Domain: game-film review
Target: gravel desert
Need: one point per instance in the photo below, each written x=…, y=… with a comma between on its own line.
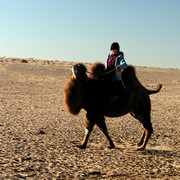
x=39, y=138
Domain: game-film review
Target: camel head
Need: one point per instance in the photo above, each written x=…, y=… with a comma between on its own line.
x=79, y=72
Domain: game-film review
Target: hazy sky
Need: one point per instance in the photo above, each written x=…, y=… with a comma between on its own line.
x=83, y=30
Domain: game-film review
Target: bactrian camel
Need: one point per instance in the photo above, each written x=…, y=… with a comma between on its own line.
x=94, y=94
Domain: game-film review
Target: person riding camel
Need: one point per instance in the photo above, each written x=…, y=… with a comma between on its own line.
x=115, y=60
x=115, y=64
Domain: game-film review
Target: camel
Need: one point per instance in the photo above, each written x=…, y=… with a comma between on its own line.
x=92, y=94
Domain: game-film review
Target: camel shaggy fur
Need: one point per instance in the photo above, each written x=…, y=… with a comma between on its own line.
x=93, y=93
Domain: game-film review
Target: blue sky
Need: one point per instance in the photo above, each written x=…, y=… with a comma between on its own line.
x=82, y=30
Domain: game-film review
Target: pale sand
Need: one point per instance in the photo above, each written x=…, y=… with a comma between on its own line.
x=38, y=138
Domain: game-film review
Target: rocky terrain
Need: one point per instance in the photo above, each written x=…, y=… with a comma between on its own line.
x=38, y=138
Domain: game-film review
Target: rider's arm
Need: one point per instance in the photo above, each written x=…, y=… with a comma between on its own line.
x=120, y=62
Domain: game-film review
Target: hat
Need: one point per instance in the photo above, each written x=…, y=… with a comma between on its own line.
x=114, y=45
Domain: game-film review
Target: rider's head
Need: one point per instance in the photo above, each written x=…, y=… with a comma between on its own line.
x=114, y=48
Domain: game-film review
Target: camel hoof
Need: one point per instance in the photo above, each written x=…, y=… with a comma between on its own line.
x=111, y=146
x=139, y=144
x=81, y=147
x=140, y=148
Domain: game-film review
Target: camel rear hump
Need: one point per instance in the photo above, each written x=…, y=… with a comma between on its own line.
x=130, y=74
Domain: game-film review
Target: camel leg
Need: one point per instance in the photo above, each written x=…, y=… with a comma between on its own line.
x=148, y=131
x=88, y=130
x=102, y=126
x=140, y=119
x=141, y=138
x=147, y=136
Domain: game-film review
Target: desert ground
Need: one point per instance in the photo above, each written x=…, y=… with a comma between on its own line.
x=39, y=138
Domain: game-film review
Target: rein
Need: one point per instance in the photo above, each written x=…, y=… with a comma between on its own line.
x=104, y=73
x=111, y=72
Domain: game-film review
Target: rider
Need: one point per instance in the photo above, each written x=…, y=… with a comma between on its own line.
x=115, y=60
x=115, y=64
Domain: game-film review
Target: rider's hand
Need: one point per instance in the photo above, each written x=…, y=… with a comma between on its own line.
x=118, y=68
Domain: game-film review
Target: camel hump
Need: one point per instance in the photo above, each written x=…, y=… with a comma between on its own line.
x=97, y=70
x=129, y=73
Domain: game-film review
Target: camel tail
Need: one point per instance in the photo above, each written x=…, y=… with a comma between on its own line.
x=155, y=90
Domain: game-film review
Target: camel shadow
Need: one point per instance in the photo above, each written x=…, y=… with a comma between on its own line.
x=129, y=148
x=160, y=152
x=152, y=151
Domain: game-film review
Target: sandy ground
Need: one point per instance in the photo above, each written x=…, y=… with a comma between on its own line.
x=38, y=138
